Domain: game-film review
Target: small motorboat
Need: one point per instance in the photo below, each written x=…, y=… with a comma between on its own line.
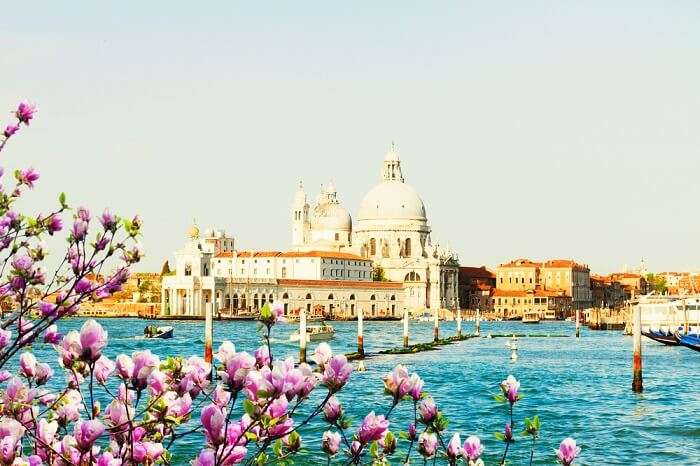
x=691, y=340
x=152, y=331
x=315, y=333
x=662, y=336
x=531, y=317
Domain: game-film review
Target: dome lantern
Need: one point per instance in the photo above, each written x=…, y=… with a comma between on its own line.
x=392, y=165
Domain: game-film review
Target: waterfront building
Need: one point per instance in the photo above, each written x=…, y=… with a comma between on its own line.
x=633, y=284
x=475, y=287
x=513, y=304
x=606, y=292
x=553, y=279
x=330, y=266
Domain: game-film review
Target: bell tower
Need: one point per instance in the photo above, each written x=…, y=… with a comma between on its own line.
x=392, y=165
x=300, y=218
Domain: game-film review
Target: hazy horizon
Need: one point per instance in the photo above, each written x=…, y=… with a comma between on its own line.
x=540, y=130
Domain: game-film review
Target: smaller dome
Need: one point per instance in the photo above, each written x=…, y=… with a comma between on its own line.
x=193, y=232
x=331, y=216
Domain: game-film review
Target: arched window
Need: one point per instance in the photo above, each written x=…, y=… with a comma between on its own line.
x=284, y=272
x=271, y=298
x=372, y=298
x=244, y=302
x=235, y=301
x=393, y=297
x=372, y=247
x=285, y=296
x=308, y=296
x=255, y=301
x=352, y=297
x=407, y=248
x=330, y=296
x=188, y=269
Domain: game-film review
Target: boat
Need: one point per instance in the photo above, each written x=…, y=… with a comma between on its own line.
x=531, y=317
x=315, y=333
x=691, y=340
x=426, y=316
x=158, y=332
x=663, y=336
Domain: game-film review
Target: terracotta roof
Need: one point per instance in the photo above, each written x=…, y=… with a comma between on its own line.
x=343, y=284
x=521, y=263
x=483, y=287
x=322, y=254
x=476, y=272
x=565, y=263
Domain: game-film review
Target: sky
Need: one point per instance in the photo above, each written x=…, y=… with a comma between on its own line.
x=536, y=129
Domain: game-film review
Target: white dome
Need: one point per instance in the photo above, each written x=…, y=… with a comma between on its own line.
x=331, y=216
x=392, y=200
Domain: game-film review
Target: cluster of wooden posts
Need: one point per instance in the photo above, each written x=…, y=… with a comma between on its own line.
x=637, y=385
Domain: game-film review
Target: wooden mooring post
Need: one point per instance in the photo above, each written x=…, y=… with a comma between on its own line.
x=360, y=336
x=578, y=323
x=459, y=323
x=637, y=385
x=405, y=329
x=302, y=336
x=436, y=326
x=477, y=324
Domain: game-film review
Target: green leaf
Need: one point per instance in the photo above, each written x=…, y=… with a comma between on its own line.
x=62, y=199
x=277, y=448
x=373, y=449
x=266, y=312
x=249, y=407
x=499, y=436
x=536, y=422
x=500, y=398
x=261, y=459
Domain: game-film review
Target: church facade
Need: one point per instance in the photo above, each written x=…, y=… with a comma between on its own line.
x=329, y=269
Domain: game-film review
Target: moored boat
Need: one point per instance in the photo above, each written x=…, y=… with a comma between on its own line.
x=665, y=337
x=531, y=317
x=691, y=340
x=158, y=332
x=315, y=333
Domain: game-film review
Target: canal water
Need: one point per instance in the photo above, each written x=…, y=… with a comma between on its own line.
x=578, y=387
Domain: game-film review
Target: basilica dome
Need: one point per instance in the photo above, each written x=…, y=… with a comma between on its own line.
x=392, y=199
x=331, y=216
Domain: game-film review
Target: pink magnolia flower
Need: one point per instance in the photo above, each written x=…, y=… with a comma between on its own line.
x=257, y=386
x=510, y=388
x=336, y=373
x=508, y=433
x=103, y=369
x=428, y=410
x=43, y=373
x=46, y=431
x=22, y=262
x=10, y=130
x=206, y=457
x=262, y=357
x=28, y=176
x=226, y=352
x=412, y=431
x=125, y=367
x=147, y=452
x=145, y=362
x=108, y=459
x=87, y=432
x=157, y=383
x=54, y=224
x=221, y=397
x=322, y=355
x=197, y=370
x=5, y=337
x=83, y=214
x=27, y=365
x=237, y=369
x=568, y=451
x=232, y=454
x=117, y=414
x=454, y=447
x=93, y=338
x=213, y=420
x=51, y=335
x=373, y=428
x=8, y=449
x=108, y=220
x=181, y=407
x=11, y=428
x=397, y=383
x=79, y=230
x=416, y=387
x=427, y=444
x=25, y=112
x=472, y=448
x=332, y=411
x=330, y=444
x=5, y=376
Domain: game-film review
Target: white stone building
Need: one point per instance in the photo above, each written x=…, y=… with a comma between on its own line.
x=330, y=266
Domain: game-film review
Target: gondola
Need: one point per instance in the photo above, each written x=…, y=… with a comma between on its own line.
x=691, y=340
x=665, y=337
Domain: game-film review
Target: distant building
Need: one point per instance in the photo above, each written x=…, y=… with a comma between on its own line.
x=475, y=287
x=633, y=284
x=606, y=292
x=512, y=304
x=545, y=284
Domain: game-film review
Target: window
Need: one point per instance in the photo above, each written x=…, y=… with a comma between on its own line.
x=337, y=236
x=284, y=272
x=372, y=247
x=407, y=247
x=188, y=269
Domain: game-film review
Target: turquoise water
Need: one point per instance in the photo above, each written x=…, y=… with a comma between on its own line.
x=579, y=387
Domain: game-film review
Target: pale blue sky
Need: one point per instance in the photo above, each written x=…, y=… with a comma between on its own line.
x=541, y=129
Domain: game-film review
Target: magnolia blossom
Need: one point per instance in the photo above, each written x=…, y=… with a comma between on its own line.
x=454, y=447
x=336, y=373
x=427, y=444
x=510, y=388
x=5, y=337
x=147, y=452
x=373, y=428
x=412, y=431
x=332, y=411
x=28, y=176
x=330, y=443
x=103, y=369
x=51, y=335
x=27, y=365
x=93, y=338
x=43, y=373
x=87, y=432
x=472, y=448
x=322, y=354
x=262, y=357
x=10, y=130
x=397, y=383
x=213, y=421
x=237, y=368
x=568, y=451
x=428, y=410
x=25, y=112
x=145, y=362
